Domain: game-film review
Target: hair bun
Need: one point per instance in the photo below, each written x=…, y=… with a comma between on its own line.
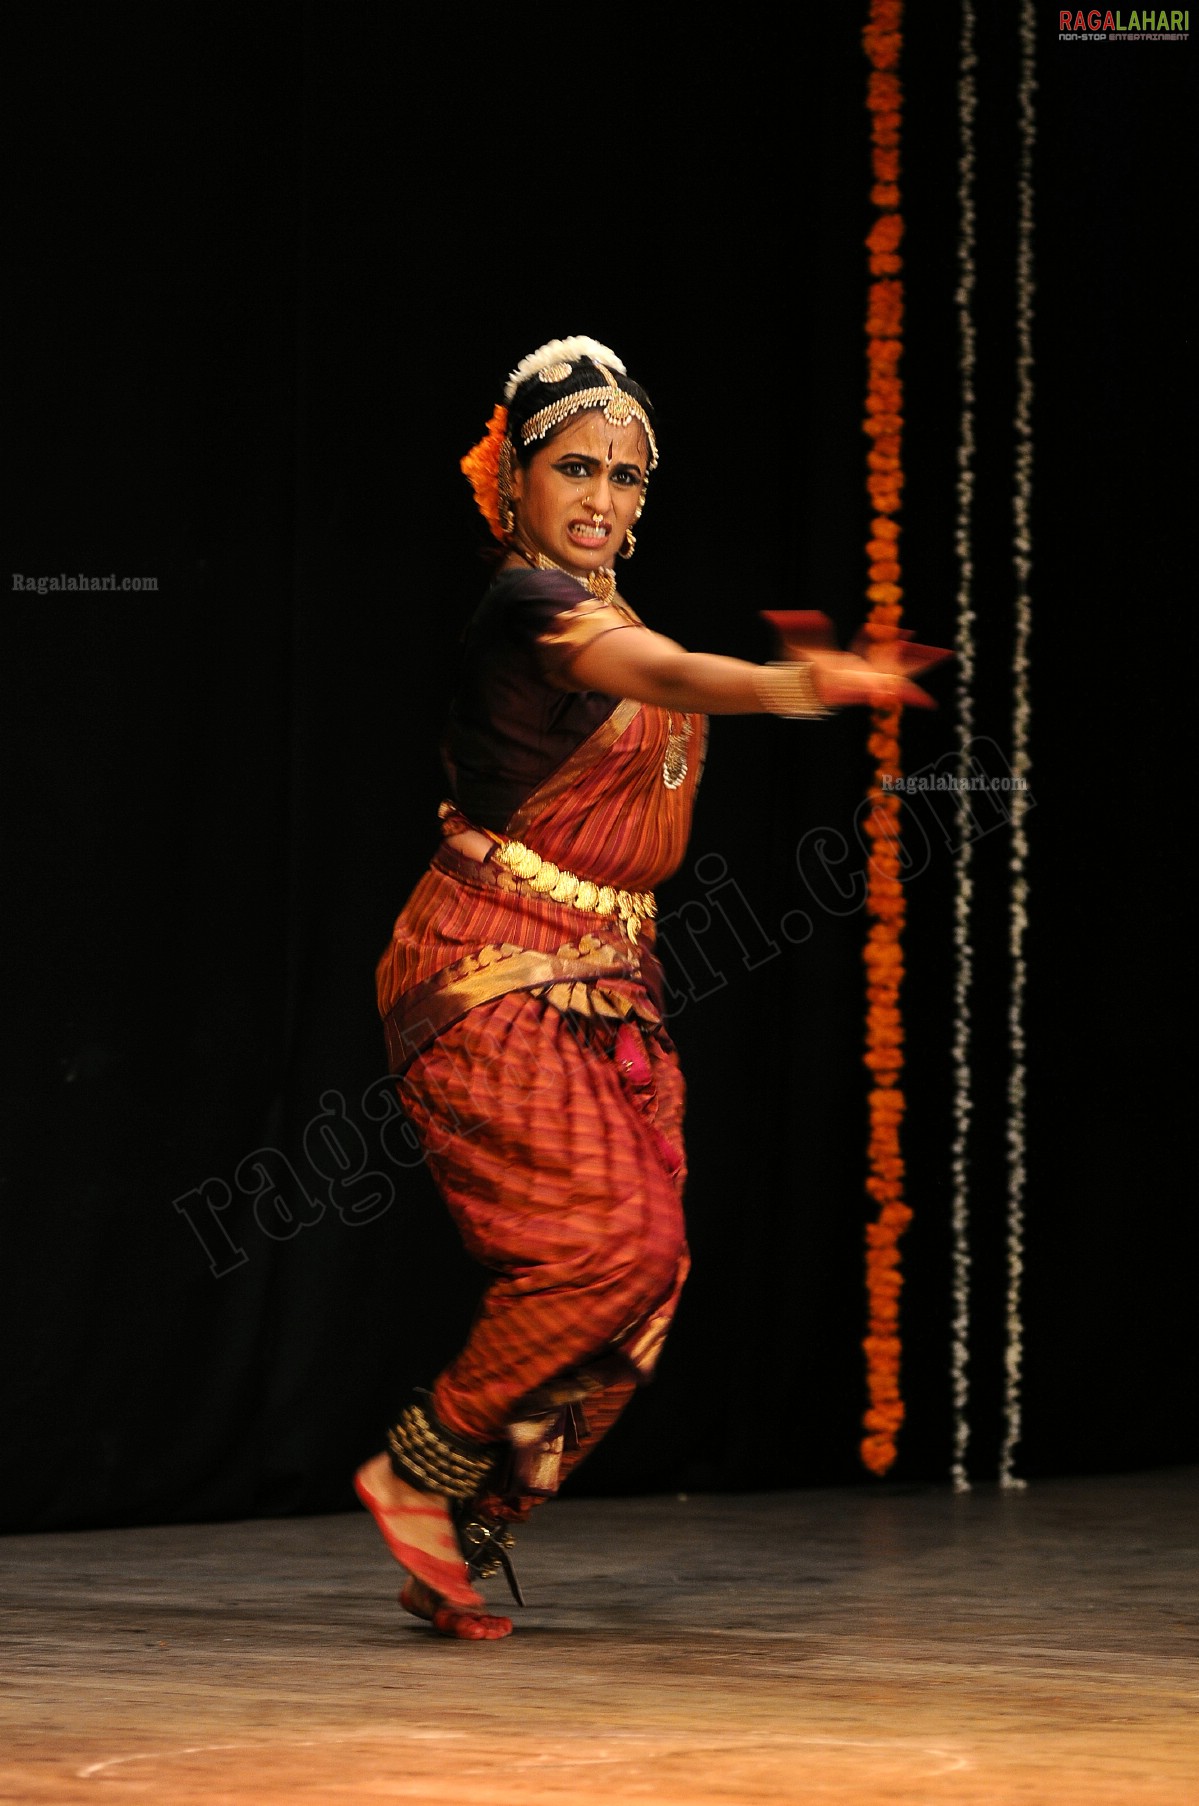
x=560, y=351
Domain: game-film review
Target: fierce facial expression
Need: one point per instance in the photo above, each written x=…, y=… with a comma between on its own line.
x=579, y=495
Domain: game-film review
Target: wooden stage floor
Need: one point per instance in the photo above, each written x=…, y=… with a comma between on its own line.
x=854, y=1646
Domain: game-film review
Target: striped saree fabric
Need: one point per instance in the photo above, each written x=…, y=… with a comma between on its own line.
x=552, y=1122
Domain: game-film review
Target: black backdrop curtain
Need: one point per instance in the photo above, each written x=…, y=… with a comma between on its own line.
x=273, y=266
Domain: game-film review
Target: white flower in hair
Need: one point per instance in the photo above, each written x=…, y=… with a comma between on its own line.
x=561, y=351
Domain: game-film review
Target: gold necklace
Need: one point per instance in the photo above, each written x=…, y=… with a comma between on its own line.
x=674, y=765
x=601, y=583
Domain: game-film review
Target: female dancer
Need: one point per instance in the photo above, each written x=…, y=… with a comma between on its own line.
x=520, y=993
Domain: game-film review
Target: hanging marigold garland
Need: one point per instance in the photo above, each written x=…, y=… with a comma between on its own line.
x=884, y=900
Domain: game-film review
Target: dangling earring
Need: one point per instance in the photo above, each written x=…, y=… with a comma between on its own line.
x=504, y=484
x=630, y=538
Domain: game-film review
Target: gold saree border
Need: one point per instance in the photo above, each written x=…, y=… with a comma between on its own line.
x=420, y=1015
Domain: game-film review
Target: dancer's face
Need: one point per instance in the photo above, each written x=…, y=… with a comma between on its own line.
x=578, y=497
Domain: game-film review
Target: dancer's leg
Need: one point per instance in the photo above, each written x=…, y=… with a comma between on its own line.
x=569, y=1189
x=600, y=1410
x=557, y=1181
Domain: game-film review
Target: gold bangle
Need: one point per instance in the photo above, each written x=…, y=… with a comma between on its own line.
x=789, y=688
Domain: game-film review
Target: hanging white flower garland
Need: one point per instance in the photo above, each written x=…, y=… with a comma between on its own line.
x=965, y=649
x=1021, y=760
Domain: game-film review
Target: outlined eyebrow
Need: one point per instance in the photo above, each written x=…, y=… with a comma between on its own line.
x=588, y=458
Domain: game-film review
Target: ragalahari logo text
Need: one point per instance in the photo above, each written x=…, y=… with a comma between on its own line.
x=1096, y=27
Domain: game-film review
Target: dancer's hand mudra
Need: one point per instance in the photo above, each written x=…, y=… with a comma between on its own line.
x=876, y=673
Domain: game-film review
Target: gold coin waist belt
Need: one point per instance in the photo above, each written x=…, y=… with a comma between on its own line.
x=545, y=879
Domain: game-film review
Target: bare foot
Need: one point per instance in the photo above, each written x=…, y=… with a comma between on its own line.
x=416, y=1528
x=475, y=1627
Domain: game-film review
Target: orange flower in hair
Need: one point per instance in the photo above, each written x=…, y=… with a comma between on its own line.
x=481, y=468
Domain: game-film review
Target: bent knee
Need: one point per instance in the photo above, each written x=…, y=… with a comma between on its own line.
x=637, y=1275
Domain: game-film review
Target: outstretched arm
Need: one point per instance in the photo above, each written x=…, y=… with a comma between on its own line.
x=648, y=667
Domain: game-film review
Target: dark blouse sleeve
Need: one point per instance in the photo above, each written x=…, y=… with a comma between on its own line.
x=515, y=714
x=555, y=622
x=569, y=632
